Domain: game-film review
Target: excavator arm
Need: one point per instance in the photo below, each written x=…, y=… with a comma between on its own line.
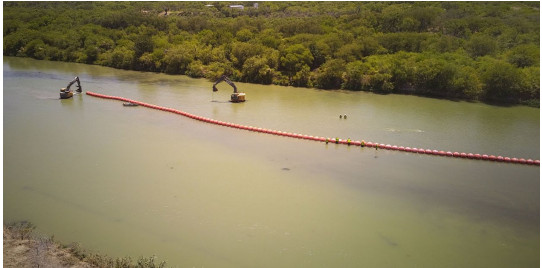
x=65, y=93
x=227, y=80
x=76, y=79
x=236, y=96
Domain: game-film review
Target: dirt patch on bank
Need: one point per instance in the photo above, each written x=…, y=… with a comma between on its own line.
x=21, y=249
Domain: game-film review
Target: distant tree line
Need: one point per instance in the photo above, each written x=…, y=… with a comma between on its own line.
x=466, y=50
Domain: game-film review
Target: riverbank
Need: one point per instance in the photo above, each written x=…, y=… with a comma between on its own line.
x=424, y=48
x=24, y=248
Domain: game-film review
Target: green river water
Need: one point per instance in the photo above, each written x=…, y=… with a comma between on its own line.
x=131, y=181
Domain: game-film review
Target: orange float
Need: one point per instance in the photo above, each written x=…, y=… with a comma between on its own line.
x=327, y=140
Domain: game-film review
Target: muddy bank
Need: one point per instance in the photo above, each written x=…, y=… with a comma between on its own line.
x=23, y=248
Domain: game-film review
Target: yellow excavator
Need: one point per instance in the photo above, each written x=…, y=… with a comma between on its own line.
x=65, y=93
x=236, y=96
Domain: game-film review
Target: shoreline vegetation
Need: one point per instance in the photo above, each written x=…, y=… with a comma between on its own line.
x=480, y=51
x=24, y=248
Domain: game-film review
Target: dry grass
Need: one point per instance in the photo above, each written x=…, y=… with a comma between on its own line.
x=24, y=249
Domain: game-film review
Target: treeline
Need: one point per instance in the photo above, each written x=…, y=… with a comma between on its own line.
x=466, y=50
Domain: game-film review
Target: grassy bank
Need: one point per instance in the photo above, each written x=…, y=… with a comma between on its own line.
x=24, y=248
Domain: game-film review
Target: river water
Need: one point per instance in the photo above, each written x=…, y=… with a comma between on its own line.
x=131, y=181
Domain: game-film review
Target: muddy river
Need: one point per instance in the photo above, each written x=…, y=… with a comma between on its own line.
x=131, y=181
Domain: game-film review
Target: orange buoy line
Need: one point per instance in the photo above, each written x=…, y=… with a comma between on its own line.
x=327, y=140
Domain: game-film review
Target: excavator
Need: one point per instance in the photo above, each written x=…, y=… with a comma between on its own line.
x=65, y=93
x=236, y=96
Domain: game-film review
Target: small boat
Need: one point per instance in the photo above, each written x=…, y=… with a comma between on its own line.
x=130, y=104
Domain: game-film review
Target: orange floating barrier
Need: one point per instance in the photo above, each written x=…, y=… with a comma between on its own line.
x=327, y=140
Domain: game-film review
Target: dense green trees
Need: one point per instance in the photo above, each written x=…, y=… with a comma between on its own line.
x=469, y=50
x=295, y=58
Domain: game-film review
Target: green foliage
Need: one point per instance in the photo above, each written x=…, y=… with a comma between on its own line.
x=270, y=38
x=481, y=45
x=244, y=35
x=256, y=70
x=295, y=58
x=406, y=41
x=196, y=69
x=329, y=75
x=241, y=51
x=177, y=58
x=467, y=83
x=354, y=75
x=501, y=79
x=531, y=82
x=379, y=75
x=217, y=69
x=120, y=57
x=445, y=49
x=524, y=55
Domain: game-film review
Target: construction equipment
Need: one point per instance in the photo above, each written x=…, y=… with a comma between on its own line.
x=236, y=96
x=65, y=93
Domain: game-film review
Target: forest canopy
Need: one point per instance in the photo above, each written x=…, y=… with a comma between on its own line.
x=466, y=50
